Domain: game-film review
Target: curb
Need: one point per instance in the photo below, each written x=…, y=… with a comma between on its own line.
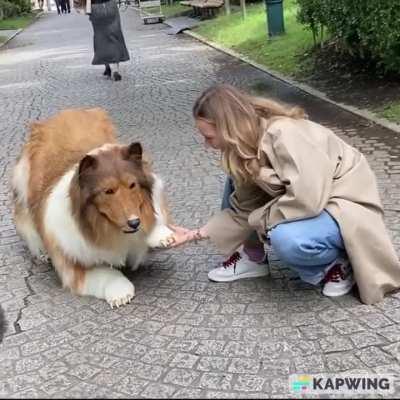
x=10, y=37
x=305, y=88
x=21, y=29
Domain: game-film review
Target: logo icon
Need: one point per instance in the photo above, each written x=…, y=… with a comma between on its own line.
x=302, y=383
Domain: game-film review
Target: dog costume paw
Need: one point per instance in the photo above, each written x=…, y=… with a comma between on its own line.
x=119, y=292
x=162, y=237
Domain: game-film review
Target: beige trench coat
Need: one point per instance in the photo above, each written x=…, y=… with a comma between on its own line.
x=306, y=168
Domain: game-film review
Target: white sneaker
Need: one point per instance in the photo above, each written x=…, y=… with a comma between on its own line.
x=338, y=279
x=238, y=266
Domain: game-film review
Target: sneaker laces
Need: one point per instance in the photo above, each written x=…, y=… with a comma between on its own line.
x=232, y=260
x=335, y=274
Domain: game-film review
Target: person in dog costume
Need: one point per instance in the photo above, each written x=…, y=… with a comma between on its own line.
x=306, y=192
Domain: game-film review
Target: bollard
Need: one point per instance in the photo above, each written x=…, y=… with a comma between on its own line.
x=275, y=23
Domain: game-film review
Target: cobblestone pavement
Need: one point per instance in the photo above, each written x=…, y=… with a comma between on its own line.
x=182, y=336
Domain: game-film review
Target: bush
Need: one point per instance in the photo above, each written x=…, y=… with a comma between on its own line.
x=24, y=5
x=8, y=9
x=311, y=14
x=368, y=29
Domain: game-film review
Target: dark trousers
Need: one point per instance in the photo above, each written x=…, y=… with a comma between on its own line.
x=58, y=5
x=65, y=6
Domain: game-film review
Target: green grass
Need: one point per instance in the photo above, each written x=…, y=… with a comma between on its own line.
x=250, y=37
x=3, y=39
x=391, y=112
x=17, y=22
x=174, y=9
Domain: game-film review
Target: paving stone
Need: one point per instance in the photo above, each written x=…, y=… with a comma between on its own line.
x=29, y=364
x=212, y=380
x=182, y=345
x=244, y=366
x=189, y=393
x=210, y=347
x=181, y=377
x=175, y=330
x=342, y=362
x=84, y=372
x=155, y=341
x=239, y=349
x=287, y=332
x=364, y=339
x=211, y=363
x=56, y=385
x=333, y=344
x=307, y=318
x=190, y=319
x=333, y=315
x=51, y=370
x=212, y=394
x=141, y=370
x=158, y=390
x=309, y=364
x=158, y=357
x=234, y=309
x=348, y=326
x=249, y=383
x=391, y=333
x=316, y=331
x=229, y=334
x=374, y=356
x=393, y=350
x=375, y=320
x=393, y=314
x=184, y=360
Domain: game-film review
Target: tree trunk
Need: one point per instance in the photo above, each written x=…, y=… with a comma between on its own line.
x=243, y=8
x=227, y=7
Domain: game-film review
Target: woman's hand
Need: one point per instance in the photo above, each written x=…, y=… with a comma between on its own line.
x=181, y=235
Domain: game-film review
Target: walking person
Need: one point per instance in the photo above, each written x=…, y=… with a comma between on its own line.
x=306, y=192
x=65, y=6
x=58, y=6
x=108, y=40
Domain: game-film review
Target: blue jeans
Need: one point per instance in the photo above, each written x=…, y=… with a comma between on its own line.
x=307, y=246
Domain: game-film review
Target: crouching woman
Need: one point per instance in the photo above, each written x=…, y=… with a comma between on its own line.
x=306, y=192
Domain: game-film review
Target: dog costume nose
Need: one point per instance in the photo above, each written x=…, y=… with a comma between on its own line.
x=134, y=223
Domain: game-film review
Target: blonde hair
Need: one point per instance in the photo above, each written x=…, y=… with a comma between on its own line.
x=238, y=119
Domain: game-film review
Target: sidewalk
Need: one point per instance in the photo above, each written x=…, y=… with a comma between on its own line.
x=182, y=336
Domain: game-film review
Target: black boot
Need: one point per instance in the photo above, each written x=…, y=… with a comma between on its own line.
x=107, y=71
x=117, y=76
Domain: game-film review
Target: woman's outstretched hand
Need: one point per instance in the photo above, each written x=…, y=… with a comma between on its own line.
x=181, y=235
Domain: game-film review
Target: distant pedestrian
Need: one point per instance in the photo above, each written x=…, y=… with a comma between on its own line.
x=65, y=6
x=307, y=193
x=3, y=324
x=58, y=6
x=108, y=41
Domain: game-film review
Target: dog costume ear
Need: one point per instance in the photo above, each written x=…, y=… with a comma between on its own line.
x=87, y=162
x=134, y=152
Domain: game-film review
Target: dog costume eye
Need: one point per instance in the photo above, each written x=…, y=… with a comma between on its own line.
x=132, y=185
x=109, y=191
